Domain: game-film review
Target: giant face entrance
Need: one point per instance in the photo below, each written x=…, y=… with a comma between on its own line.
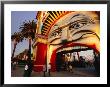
x=75, y=33
x=85, y=58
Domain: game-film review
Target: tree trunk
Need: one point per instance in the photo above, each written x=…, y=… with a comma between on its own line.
x=13, y=50
x=29, y=48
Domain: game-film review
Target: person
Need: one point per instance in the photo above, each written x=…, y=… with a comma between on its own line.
x=28, y=68
x=66, y=63
x=97, y=64
x=26, y=71
x=14, y=65
x=44, y=69
x=49, y=68
x=70, y=68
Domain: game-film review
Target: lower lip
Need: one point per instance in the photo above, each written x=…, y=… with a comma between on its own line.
x=79, y=44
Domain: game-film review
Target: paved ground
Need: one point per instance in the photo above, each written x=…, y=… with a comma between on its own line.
x=78, y=72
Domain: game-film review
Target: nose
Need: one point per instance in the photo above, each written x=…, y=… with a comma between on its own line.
x=64, y=35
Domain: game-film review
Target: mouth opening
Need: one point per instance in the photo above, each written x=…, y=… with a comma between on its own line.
x=79, y=56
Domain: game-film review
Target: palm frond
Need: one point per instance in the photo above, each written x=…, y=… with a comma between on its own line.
x=28, y=29
x=17, y=36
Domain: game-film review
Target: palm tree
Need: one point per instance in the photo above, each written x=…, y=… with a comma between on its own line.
x=28, y=30
x=16, y=38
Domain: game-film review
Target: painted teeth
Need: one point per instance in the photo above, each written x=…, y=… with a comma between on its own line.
x=72, y=48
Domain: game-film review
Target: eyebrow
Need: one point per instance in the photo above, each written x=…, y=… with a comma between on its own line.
x=77, y=15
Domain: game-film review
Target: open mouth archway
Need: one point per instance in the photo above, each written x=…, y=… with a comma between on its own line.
x=79, y=56
x=70, y=31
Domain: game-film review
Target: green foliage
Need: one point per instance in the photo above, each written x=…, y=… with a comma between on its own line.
x=28, y=29
x=17, y=36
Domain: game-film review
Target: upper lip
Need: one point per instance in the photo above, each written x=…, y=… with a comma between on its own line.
x=74, y=48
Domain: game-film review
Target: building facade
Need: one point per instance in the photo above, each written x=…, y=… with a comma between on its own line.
x=62, y=32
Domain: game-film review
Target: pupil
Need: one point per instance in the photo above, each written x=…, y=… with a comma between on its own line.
x=77, y=25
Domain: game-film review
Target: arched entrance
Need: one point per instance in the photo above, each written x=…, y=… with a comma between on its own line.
x=78, y=56
x=70, y=32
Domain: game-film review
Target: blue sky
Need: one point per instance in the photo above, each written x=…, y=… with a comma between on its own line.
x=17, y=18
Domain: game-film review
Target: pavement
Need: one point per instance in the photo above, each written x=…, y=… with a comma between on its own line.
x=77, y=72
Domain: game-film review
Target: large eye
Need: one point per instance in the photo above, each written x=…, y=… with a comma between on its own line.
x=56, y=32
x=77, y=24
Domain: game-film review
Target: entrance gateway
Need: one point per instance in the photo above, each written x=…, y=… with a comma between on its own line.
x=61, y=32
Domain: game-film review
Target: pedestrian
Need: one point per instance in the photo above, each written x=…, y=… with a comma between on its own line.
x=97, y=64
x=26, y=71
x=14, y=65
x=49, y=68
x=44, y=70
x=70, y=68
x=28, y=68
